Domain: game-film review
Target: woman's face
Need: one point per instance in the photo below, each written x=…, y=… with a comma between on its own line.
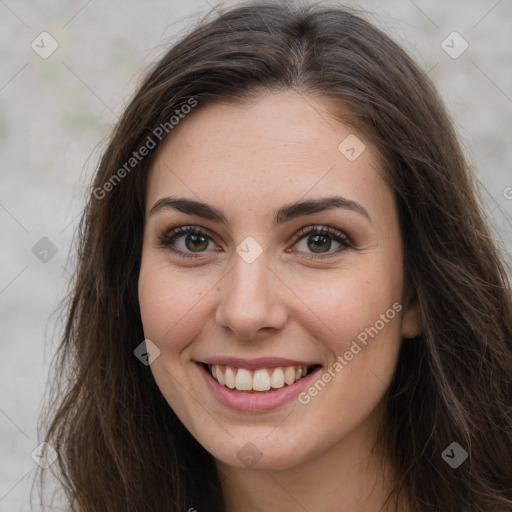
x=255, y=295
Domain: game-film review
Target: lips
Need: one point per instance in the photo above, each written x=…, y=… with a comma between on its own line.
x=252, y=400
x=263, y=375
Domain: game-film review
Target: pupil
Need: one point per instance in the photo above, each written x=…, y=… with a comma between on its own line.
x=317, y=241
x=196, y=239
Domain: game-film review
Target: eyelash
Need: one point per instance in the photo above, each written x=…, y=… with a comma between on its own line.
x=168, y=238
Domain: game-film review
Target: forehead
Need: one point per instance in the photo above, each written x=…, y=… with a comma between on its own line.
x=278, y=148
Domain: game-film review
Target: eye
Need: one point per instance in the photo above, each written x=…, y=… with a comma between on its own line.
x=319, y=240
x=186, y=241
x=193, y=241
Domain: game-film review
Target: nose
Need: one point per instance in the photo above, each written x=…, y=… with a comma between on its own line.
x=251, y=299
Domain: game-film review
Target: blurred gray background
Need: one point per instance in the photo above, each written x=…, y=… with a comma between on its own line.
x=56, y=107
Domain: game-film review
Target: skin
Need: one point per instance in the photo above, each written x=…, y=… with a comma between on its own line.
x=249, y=159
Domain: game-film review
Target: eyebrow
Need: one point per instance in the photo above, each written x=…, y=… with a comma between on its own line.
x=282, y=215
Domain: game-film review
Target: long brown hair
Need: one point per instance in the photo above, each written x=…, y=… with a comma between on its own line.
x=120, y=445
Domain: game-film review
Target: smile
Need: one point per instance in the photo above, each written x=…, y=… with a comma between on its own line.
x=258, y=385
x=259, y=380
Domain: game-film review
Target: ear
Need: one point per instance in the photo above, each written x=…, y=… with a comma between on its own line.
x=411, y=320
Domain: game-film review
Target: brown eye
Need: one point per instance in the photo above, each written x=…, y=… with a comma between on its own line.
x=195, y=242
x=320, y=239
x=319, y=243
x=186, y=241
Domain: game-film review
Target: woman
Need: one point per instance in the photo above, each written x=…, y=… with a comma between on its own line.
x=286, y=295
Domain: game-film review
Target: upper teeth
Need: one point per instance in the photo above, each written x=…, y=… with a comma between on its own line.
x=256, y=380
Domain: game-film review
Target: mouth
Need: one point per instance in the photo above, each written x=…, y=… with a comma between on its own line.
x=263, y=380
x=256, y=385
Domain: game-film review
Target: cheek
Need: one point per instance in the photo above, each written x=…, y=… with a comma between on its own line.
x=172, y=305
x=344, y=304
x=361, y=330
